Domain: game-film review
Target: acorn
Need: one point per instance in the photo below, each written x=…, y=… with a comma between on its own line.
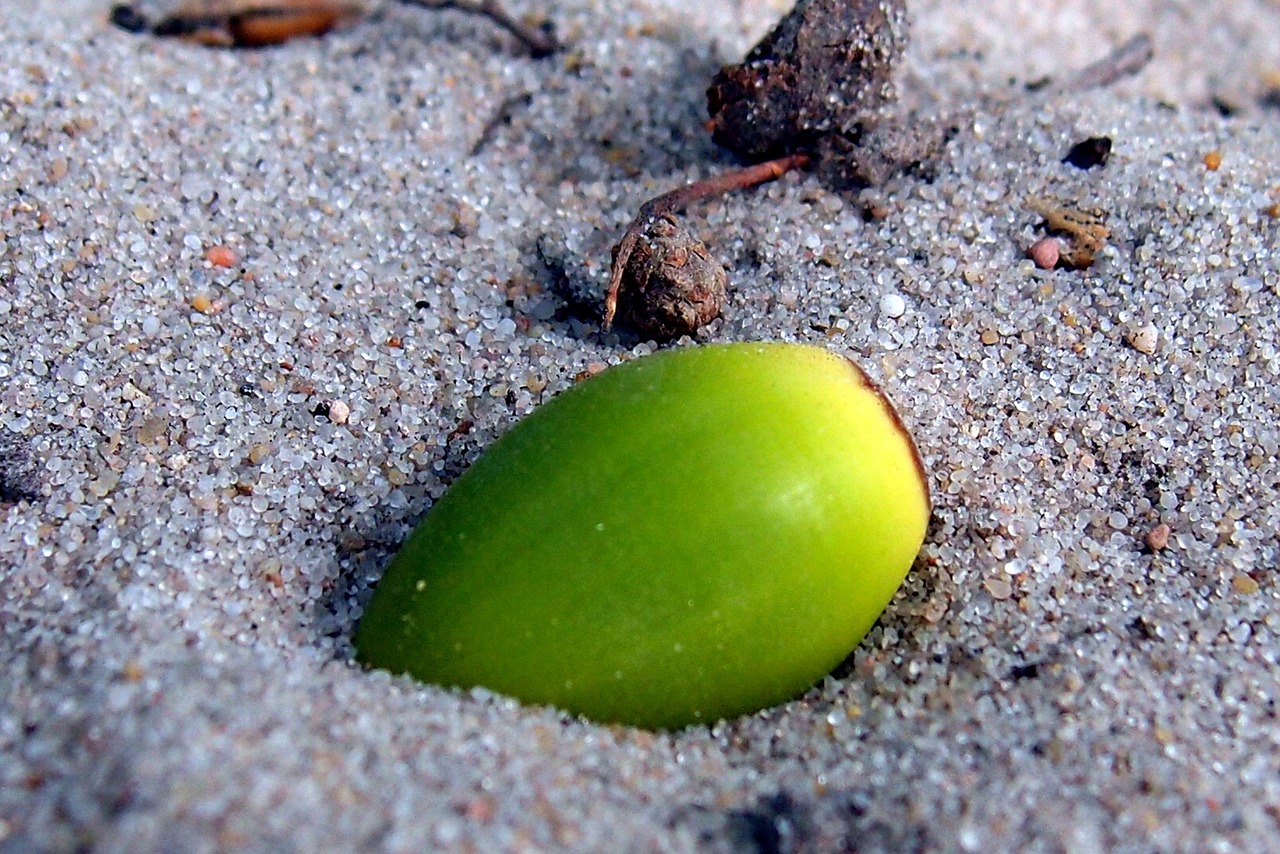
x=686, y=537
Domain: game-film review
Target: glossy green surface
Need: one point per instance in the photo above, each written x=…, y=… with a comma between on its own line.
x=692, y=535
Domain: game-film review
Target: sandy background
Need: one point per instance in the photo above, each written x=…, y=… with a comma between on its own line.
x=186, y=545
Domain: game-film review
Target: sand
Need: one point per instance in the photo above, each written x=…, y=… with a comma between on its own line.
x=188, y=539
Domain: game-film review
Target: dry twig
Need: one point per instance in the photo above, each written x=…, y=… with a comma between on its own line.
x=259, y=23
x=540, y=41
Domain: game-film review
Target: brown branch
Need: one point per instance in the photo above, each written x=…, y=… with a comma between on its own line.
x=501, y=116
x=538, y=41
x=738, y=179
x=1126, y=60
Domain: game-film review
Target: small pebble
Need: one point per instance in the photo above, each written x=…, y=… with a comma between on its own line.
x=591, y=370
x=1244, y=585
x=893, y=305
x=1045, y=253
x=1144, y=340
x=1213, y=160
x=202, y=304
x=990, y=336
x=339, y=412
x=221, y=256
x=152, y=429
x=1158, y=537
x=998, y=588
x=935, y=611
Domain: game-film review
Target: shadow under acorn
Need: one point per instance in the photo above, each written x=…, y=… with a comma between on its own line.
x=788, y=822
x=375, y=538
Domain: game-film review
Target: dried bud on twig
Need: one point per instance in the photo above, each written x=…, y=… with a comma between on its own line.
x=650, y=235
x=670, y=285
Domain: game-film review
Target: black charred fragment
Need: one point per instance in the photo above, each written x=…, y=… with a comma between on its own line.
x=1140, y=630
x=1030, y=670
x=128, y=18
x=1086, y=154
x=177, y=26
x=1225, y=108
